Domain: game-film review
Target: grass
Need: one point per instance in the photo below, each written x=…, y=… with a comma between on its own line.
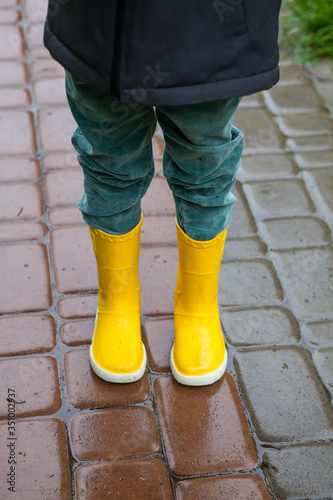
x=307, y=29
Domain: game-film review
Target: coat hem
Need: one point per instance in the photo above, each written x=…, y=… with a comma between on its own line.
x=171, y=96
x=204, y=92
x=70, y=61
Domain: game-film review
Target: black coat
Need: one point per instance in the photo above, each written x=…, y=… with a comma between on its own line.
x=170, y=52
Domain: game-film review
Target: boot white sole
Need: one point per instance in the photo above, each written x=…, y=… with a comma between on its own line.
x=118, y=378
x=198, y=380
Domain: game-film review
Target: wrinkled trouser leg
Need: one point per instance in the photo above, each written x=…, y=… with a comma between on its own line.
x=114, y=149
x=200, y=162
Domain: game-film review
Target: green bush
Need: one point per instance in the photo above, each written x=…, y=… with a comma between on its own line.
x=307, y=29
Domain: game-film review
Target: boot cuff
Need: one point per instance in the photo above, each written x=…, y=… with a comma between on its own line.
x=116, y=238
x=200, y=244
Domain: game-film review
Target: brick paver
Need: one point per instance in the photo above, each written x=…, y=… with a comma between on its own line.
x=267, y=166
x=115, y=432
x=78, y=332
x=18, y=169
x=302, y=471
x=289, y=403
x=22, y=231
x=260, y=326
x=35, y=380
x=120, y=478
x=265, y=430
x=85, y=390
x=294, y=232
x=252, y=282
x=204, y=428
x=27, y=334
x=24, y=267
x=42, y=461
x=226, y=487
x=158, y=336
x=20, y=201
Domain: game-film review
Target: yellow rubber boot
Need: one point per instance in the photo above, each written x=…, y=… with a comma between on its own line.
x=117, y=353
x=198, y=356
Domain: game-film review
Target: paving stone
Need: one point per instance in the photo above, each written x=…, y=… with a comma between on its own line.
x=282, y=100
x=315, y=159
x=159, y=168
x=39, y=52
x=83, y=306
x=115, y=432
x=309, y=143
x=158, y=147
x=159, y=199
x=20, y=201
x=158, y=336
x=12, y=73
x=288, y=401
x=21, y=231
x=14, y=98
x=35, y=380
x=9, y=3
x=35, y=10
x=261, y=326
x=157, y=295
x=320, y=181
x=243, y=248
x=252, y=101
x=77, y=332
x=34, y=34
x=42, y=464
x=278, y=198
x=305, y=124
x=303, y=471
x=292, y=75
x=158, y=230
x=242, y=222
x=115, y=479
x=318, y=334
x=16, y=132
x=64, y=187
x=53, y=161
x=87, y=390
x=24, y=267
x=295, y=232
x=67, y=216
x=248, y=283
x=323, y=360
x=306, y=276
x=56, y=127
x=46, y=68
x=27, y=334
x=8, y=16
x=204, y=428
x=50, y=91
x=11, y=43
x=18, y=169
x=73, y=260
x=264, y=166
x=240, y=487
x=260, y=133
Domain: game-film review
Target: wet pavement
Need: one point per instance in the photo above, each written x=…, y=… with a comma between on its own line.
x=265, y=430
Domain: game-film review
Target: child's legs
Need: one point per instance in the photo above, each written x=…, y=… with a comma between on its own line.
x=113, y=142
x=201, y=158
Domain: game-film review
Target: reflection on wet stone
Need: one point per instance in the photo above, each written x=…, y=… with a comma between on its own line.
x=303, y=471
x=286, y=399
